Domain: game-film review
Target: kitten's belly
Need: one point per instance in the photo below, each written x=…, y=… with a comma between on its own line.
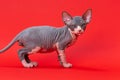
x=44, y=50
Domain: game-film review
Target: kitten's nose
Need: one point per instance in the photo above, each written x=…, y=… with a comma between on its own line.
x=81, y=31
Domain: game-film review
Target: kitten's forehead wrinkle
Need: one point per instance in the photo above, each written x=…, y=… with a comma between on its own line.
x=78, y=20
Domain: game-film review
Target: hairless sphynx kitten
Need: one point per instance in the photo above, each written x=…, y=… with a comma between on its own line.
x=47, y=38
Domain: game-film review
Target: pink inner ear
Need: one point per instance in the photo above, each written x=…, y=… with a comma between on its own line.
x=88, y=18
x=66, y=19
x=66, y=16
x=87, y=15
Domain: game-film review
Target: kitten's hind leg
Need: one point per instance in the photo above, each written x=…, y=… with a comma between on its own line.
x=23, y=55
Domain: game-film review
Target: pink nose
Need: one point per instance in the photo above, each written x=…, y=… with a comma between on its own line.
x=81, y=31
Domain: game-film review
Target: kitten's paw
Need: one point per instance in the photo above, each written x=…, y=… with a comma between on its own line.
x=34, y=64
x=67, y=65
x=27, y=65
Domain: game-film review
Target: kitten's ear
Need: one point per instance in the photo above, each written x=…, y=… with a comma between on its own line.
x=66, y=17
x=87, y=15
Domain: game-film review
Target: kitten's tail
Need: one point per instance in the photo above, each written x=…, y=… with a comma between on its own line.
x=10, y=44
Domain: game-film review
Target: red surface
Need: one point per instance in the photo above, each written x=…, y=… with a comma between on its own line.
x=95, y=56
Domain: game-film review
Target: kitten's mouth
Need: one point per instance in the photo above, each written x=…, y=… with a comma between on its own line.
x=79, y=33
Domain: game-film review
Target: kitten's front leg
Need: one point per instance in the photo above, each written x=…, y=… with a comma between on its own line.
x=62, y=59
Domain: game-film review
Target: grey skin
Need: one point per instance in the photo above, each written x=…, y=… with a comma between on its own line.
x=47, y=38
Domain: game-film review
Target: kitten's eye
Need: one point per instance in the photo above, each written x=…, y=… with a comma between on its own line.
x=83, y=24
x=75, y=26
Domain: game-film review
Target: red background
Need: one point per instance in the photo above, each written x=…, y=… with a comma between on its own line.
x=96, y=54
